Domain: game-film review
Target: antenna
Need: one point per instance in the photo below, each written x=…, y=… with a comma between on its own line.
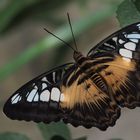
x=59, y=38
x=72, y=31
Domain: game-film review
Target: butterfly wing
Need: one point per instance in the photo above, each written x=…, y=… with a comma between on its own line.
x=117, y=59
x=87, y=105
x=59, y=95
x=39, y=99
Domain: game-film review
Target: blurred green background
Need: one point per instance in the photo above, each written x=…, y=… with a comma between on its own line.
x=26, y=51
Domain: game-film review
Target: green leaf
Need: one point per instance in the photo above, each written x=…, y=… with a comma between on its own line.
x=127, y=13
x=137, y=4
x=82, y=138
x=55, y=130
x=12, y=136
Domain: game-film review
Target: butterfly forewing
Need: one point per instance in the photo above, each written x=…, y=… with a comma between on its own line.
x=39, y=100
x=118, y=58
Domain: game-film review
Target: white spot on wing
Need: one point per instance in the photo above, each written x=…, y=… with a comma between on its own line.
x=134, y=40
x=45, y=96
x=138, y=26
x=31, y=95
x=115, y=39
x=121, y=41
x=133, y=36
x=36, y=98
x=44, y=79
x=44, y=85
x=130, y=46
x=16, y=98
x=126, y=53
x=55, y=94
x=35, y=87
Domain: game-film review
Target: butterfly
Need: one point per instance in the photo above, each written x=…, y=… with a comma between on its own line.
x=89, y=92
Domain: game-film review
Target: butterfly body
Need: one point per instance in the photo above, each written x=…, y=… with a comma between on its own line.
x=89, y=92
x=89, y=68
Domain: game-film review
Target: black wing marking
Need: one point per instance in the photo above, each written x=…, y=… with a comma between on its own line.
x=39, y=99
x=117, y=59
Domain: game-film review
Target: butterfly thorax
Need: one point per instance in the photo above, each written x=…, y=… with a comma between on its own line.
x=85, y=64
x=89, y=71
x=79, y=58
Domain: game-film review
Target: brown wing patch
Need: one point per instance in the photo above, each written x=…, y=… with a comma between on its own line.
x=86, y=105
x=117, y=72
x=83, y=93
x=120, y=75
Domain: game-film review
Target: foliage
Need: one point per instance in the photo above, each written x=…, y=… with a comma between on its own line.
x=128, y=12
x=12, y=136
x=53, y=130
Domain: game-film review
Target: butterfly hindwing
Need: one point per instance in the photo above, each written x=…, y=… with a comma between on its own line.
x=118, y=58
x=88, y=106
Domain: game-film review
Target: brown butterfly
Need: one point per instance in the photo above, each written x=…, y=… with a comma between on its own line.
x=89, y=92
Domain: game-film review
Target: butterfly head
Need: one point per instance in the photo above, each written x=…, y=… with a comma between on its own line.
x=77, y=55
